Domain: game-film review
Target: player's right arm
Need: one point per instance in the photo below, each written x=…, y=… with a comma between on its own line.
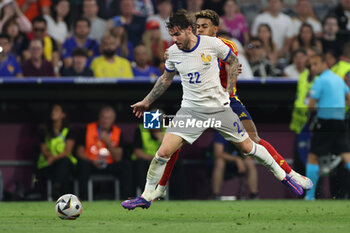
x=159, y=88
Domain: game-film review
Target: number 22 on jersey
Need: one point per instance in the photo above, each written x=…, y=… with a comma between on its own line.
x=193, y=76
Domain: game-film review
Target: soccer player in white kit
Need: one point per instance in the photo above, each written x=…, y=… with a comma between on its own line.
x=196, y=60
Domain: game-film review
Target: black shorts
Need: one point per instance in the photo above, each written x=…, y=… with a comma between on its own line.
x=330, y=136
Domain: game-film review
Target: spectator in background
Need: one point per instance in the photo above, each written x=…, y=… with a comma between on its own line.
x=17, y=39
x=108, y=8
x=298, y=122
x=109, y=65
x=100, y=150
x=141, y=68
x=234, y=22
x=144, y=8
x=328, y=96
x=225, y=160
x=306, y=39
x=37, y=65
x=331, y=58
x=342, y=68
x=98, y=25
x=246, y=70
x=215, y=5
x=281, y=25
x=9, y=66
x=299, y=60
x=259, y=64
x=50, y=49
x=134, y=24
x=115, y=27
x=194, y=6
x=305, y=14
x=11, y=11
x=164, y=10
x=265, y=35
x=342, y=12
x=56, y=160
x=80, y=39
x=58, y=22
x=154, y=43
x=330, y=39
x=33, y=8
x=78, y=68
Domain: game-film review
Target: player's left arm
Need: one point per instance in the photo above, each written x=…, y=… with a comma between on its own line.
x=232, y=70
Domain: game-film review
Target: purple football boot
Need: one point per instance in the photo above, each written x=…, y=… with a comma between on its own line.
x=136, y=202
x=293, y=185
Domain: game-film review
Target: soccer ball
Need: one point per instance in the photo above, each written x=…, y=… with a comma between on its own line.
x=68, y=206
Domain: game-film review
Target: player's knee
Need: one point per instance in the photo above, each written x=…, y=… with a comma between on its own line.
x=255, y=138
x=164, y=153
x=246, y=146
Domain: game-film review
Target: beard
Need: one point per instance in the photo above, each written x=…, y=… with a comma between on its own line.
x=184, y=45
x=108, y=53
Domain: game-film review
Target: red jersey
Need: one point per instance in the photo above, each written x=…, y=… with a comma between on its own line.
x=223, y=74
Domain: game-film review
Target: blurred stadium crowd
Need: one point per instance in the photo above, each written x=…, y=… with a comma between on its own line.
x=127, y=38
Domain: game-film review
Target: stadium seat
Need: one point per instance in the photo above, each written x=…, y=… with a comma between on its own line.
x=49, y=189
x=94, y=178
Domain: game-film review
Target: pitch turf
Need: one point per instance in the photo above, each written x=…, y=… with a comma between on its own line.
x=182, y=216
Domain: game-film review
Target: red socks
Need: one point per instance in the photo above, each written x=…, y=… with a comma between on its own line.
x=276, y=156
x=169, y=168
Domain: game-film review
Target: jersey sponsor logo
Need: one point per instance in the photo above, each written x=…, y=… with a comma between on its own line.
x=151, y=120
x=206, y=59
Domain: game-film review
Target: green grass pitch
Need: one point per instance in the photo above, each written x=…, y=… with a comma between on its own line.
x=182, y=216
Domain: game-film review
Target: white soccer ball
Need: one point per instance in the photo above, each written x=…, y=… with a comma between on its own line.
x=68, y=206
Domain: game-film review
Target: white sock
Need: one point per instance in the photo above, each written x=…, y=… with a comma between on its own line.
x=262, y=156
x=292, y=173
x=154, y=174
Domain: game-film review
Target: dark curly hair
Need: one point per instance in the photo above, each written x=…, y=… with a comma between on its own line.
x=180, y=19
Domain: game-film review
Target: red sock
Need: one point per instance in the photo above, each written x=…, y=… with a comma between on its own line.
x=276, y=156
x=169, y=168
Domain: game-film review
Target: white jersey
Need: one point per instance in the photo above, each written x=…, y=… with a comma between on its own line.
x=199, y=71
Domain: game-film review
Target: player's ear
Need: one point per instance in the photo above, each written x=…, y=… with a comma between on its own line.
x=189, y=29
x=216, y=29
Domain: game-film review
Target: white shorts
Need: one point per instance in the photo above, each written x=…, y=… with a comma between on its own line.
x=189, y=124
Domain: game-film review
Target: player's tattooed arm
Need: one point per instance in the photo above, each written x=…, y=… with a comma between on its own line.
x=159, y=88
x=233, y=69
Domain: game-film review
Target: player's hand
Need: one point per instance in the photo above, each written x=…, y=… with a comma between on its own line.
x=96, y=163
x=139, y=108
x=166, y=54
x=104, y=136
x=51, y=159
